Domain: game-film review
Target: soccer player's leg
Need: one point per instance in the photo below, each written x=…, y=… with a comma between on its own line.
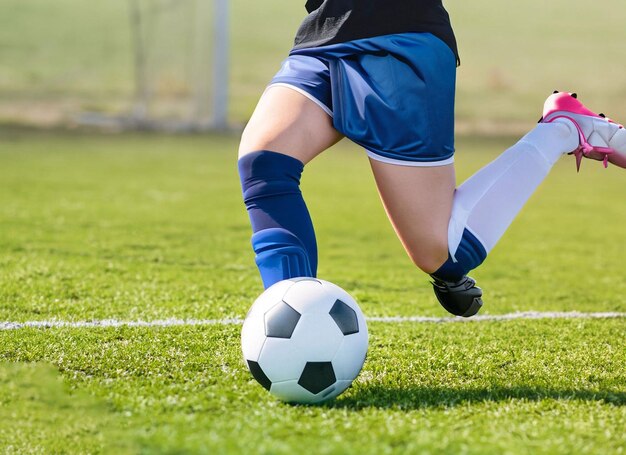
x=478, y=212
x=418, y=201
x=449, y=233
x=486, y=204
x=286, y=131
x=406, y=125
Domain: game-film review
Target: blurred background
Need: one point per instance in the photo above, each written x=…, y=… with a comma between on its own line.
x=156, y=64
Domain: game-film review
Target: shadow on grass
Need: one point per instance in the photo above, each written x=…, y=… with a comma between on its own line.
x=435, y=397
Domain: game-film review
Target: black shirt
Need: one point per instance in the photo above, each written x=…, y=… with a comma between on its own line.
x=337, y=21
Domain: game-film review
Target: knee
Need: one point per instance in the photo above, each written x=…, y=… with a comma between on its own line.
x=429, y=256
x=251, y=140
x=264, y=174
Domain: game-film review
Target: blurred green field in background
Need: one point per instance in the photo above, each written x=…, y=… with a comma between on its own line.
x=63, y=57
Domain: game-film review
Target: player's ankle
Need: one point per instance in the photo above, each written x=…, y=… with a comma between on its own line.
x=553, y=140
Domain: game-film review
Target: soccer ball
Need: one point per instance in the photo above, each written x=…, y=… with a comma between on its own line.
x=304, y=340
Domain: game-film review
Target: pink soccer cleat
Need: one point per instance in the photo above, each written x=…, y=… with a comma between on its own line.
x=600, y=138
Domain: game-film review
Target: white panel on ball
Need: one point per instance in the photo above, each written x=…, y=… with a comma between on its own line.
x=350, y=356
x=283, y=359
x=290, y=391
x=309, y=295
x=252, y=337
x=286, y=357
x=317, y=337
x=269, y=298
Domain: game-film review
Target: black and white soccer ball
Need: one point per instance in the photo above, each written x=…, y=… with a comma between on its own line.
x=304, y=340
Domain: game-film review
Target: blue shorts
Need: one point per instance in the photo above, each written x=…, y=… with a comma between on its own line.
x=392, y=94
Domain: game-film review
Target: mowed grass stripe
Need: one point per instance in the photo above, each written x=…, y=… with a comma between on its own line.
x=173, y=322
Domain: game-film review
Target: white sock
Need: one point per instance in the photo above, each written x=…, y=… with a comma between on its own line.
x=487, y=202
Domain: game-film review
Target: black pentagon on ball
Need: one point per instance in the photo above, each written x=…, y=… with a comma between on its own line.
x=258, y=374
x=281, y=321
x=345, y=317
x=317, y=376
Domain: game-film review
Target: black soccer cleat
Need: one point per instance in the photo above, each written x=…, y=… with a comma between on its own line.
x=462, y=298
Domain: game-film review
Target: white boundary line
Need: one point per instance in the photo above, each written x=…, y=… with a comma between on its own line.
x=103, y=323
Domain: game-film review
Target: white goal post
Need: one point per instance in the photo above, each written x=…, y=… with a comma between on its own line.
x=220, y=64
x=180, y=55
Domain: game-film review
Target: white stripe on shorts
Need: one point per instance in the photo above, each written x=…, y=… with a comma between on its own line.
x=305, y=93
x=384, y=159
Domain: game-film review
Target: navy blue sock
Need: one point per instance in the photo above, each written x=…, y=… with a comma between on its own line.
x=469, y=255
x=283, y=239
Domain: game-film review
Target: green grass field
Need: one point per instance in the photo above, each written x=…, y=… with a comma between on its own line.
x=139, y=227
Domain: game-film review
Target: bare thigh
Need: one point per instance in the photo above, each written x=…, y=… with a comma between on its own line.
x=418, y=201
x=287, y=122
